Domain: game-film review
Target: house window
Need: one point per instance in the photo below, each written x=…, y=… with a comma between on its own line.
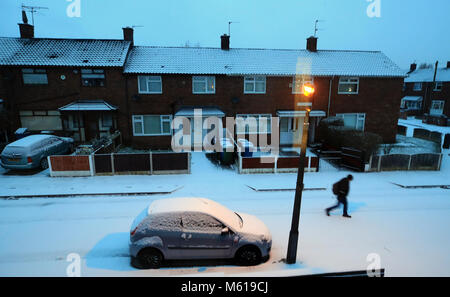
x=150, y=84
x=299, y=81
x=254, y=85
x=203, y=84
x=93, y=77
x=411, y=104
x=34, y=76
x=348, y=85
x=152, y=125
x=438, y=86
x=437, y=107
x=253, y=123
x=417, y=86
x=353, y=120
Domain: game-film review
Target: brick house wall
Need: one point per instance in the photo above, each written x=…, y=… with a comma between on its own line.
x=378, y=98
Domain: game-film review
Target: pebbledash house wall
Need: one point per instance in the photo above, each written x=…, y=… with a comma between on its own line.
x=378, y=98
x=58, y=93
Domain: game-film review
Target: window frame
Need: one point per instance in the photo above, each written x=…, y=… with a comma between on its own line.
x=257, y=116
x=304, y=79
x=162, y=119
x=441, y=103
x=436, y=84
x=205, y=77
x=347, y=81
x=93, y=72
x=148, y=78
x=417, y=84
x=247, y=80
x=360, y=117
x=34, y=72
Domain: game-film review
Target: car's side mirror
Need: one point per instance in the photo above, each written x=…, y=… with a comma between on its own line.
x=225, y=230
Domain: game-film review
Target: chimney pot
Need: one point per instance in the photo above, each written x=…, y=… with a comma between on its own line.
x=413, y=67
x=311, y=44
x=225, y=42
x=128, y=34
x=26, y=31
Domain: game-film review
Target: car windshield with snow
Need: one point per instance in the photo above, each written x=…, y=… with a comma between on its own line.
x=197, y=228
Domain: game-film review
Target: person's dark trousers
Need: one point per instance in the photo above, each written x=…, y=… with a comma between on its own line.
x=341, y=199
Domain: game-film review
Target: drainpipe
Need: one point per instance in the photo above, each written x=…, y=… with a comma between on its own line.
x=329, y=96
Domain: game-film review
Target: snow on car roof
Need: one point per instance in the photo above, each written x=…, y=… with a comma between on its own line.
x=192, y=204
x=29, y=140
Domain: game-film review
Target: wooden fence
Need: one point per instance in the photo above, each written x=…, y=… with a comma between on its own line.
x=276, y=164
x=398, y=162
x=115, y=164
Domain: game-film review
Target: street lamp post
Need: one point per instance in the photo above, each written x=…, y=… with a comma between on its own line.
x=308, y=90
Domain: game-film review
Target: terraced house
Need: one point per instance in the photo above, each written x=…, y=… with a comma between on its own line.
x=87, y=88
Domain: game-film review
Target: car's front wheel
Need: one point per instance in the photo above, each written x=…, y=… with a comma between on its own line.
x=248, y=256
x=150, y=258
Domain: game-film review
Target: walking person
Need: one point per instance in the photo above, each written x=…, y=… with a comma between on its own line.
x=341, y=189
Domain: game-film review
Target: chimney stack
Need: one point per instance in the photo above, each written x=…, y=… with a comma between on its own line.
x=311, y=44
x=225, y=42
x=128, y=34
x=26, y=30
x=413, y=67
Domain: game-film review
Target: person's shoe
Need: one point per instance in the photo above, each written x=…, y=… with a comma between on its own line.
x=327, y=212
x=346, y=216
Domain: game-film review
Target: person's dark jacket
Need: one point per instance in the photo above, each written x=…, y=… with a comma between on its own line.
x=343, y=187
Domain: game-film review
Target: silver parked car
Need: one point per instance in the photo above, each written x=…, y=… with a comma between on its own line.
x=197, y=228
x=32, y=151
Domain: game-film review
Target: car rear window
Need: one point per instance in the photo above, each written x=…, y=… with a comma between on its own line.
x=15, y=150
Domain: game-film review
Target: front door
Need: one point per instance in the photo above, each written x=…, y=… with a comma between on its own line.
x=289, y=132
x=91, y=126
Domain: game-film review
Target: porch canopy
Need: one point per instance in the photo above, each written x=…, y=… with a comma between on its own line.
x=300, y=113
x=88, y=105
x=412, y=98
x=189, y=112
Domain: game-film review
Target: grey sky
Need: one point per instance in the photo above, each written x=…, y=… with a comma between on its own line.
x=407, y=31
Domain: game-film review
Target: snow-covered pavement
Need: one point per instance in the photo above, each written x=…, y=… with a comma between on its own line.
x=407, y=228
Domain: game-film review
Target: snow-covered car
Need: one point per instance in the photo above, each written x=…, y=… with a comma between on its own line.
x=197, y=228
x=32, y=151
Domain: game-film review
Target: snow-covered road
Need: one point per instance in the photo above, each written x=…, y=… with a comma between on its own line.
x=407, y=228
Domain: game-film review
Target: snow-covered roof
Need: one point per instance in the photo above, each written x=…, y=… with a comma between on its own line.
x=88, y=105
x=63, y=52
x=182, y=60
x=412, y=98
x=202, y=205
x=427, y=75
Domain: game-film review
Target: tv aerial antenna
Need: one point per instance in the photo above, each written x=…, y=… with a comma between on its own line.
x=316, y=27
x=32, y=10
x=229, y=26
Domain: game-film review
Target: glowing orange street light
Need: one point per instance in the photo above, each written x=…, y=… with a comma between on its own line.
x=308, y=89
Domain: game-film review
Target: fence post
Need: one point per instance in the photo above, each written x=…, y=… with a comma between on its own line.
x=379, y=163
x=49, y=165
x=151, y=163
x=240, y=163
x=189, y=162
x=409, y=162
x=92, y=164
x=113, y=171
